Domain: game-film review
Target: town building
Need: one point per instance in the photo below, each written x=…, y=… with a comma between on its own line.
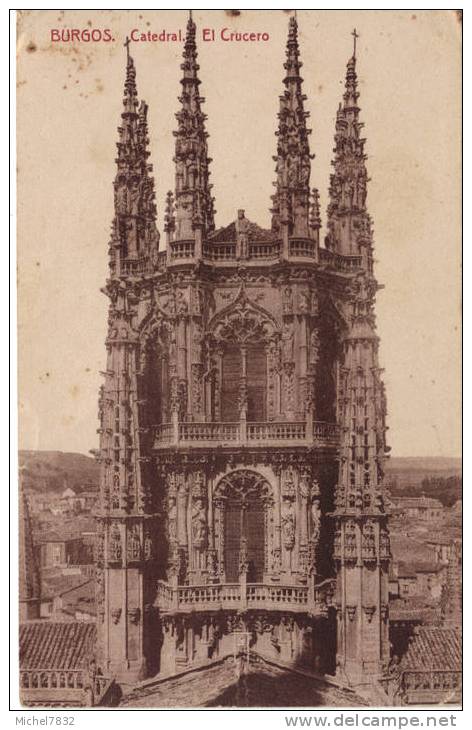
x=422, y=508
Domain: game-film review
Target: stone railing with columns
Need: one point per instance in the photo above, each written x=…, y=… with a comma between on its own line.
x=245, y=596
x=49, y=687
x=270, y=433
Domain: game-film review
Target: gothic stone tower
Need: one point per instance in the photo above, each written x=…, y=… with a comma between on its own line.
x=242, y=411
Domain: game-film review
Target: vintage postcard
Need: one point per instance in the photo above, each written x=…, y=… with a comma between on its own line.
x=239, y=251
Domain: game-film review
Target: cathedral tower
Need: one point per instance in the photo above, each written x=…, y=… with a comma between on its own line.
x=242, y=411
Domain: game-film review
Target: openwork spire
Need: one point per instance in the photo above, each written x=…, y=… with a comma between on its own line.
x=291, y=199
x=193, y=201
x=348, y=221
x=134, y=233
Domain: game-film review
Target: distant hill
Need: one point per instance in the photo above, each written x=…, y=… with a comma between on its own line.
x=50, y=470
x=46, y=471
x=436, y=477
x=411, y=470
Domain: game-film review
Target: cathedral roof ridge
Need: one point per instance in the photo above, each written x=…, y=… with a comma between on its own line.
x=228, y=233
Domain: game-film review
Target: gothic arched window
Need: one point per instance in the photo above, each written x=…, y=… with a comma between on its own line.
x=243, y=499
x=242, y=337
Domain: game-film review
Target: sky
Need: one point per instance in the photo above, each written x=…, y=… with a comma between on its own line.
x=69, y=99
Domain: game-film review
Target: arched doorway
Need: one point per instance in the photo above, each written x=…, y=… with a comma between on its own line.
x=242, y=501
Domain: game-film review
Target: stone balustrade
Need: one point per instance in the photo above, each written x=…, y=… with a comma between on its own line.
x=270, y=433
x=228, y=251
x=339, y=261
x=257, y=250
x=48, y=687
x=244, y=596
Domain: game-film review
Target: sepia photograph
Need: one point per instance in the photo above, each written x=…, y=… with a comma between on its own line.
x=239, y=359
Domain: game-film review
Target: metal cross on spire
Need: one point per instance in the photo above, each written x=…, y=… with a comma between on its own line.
x=355, y=35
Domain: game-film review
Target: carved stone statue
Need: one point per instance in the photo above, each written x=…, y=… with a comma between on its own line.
x=315, y=518
x=287, y=300
x=288, y=528
x=314, y=347
x=182, y=306
x=304, y=302
x=287, y=342
x=172, y=518
x=199, y=525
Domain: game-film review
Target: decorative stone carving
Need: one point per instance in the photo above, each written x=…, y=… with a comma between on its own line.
x=315, y=518
x=243, y=322
x=304, y=483
x=385, y=552
x=276, y=561
x=212, y=564
x=148, y=545
x=243, y=557
x=350, y=542
x=304, y=301
x=172, y=518
x=288, y=484
x=198, y=485
x=134, y=615
x=368, y=542
x=351, y=612
x=244, y=485
x=116, y=615
x=134, y=544
x=181, y=304
x=116, y=547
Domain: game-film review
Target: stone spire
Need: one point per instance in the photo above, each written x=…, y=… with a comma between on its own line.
x=349, y=225
x=290, y=211
x=194, y=211
x=134, y=240
x=29, y=579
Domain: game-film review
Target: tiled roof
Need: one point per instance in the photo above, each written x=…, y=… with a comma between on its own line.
x=434, y=648
x=58, y=584
x=49, y=645
x=405, y=571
